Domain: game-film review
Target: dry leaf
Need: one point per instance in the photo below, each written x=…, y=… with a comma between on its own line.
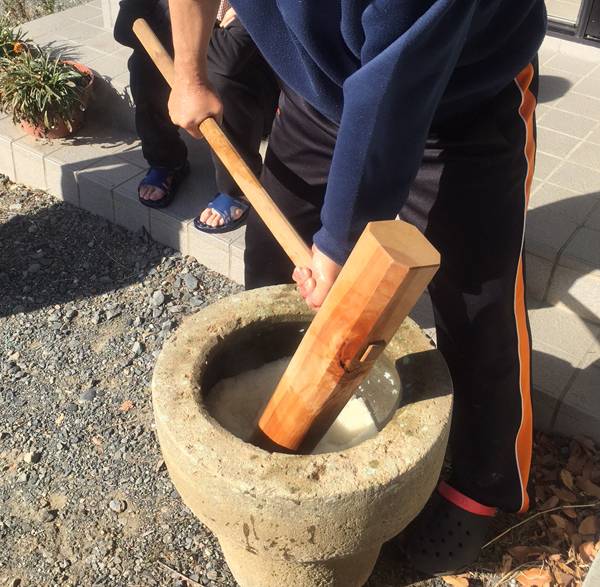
x=126, y=406
x=59, y=419
x=534, y=578
x=563, y=523
x=588, y=487
x=565, y=569
x=577, y=459
x=556, y=536
x=586, y=443
x=546, y=459
x=567, y=479
x=555, y=557
x=506, y=566
x=457, y=581
x=564, y=494
x=589, y=471
x=549, y=474
x=589, y=526
x=562, y=579
x=550, y=503
x=570, y=513
x=522, y=553
x=587, y=552
x=576, y=540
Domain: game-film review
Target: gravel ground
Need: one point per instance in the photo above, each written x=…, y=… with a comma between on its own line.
x=20, y=11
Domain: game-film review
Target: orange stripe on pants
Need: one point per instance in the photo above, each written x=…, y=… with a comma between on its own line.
x=524, y=440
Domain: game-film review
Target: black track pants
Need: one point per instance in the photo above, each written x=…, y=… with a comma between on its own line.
x=470, y=199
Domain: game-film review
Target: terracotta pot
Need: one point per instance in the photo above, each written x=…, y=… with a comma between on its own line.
x=61, y=129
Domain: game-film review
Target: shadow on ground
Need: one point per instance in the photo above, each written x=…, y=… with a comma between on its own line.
x=62, y=254
x=552, y=87
x=578, y=209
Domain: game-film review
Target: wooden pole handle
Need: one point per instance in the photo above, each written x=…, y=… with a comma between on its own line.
x=285, y=234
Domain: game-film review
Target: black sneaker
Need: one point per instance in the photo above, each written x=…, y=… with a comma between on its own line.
x=447, y=536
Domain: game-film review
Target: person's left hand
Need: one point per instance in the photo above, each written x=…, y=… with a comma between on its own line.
x=314, y=282
x=228, y=18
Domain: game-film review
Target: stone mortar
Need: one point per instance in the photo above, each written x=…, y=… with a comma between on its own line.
x=291, y=520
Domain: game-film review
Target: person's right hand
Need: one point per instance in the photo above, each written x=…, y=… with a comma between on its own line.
x=191, y=102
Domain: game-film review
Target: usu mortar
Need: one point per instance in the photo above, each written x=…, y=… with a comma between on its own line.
x=306, y=521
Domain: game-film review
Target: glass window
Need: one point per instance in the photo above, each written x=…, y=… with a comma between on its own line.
x=565, y=11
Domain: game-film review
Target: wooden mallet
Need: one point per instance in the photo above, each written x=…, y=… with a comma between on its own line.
x=386, y=273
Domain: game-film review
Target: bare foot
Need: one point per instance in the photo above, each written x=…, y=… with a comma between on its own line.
x=149, y=192
x=212, y=218
x=153, y=193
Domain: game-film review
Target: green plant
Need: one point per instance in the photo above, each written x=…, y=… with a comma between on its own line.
x=12, y=40
x=41, y=90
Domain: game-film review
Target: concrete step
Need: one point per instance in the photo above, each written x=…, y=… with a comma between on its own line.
x=100, y=171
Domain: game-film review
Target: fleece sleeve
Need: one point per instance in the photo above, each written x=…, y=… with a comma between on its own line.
x=410, y=50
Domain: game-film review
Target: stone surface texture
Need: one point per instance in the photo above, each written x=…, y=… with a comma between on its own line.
x=297, y=519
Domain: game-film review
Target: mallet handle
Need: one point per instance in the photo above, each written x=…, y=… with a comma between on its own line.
x=285, y=234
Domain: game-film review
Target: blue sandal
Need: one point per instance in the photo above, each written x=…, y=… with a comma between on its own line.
x=222, y=204
x=158, y=177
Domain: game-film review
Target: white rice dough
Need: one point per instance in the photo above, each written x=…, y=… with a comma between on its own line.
x=237, y=403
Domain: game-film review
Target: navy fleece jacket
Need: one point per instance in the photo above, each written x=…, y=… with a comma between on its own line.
x=385, y=70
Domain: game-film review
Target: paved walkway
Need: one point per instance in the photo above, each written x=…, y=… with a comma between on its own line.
x=99, y=171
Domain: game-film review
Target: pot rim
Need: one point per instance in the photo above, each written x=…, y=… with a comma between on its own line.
x=83, y=69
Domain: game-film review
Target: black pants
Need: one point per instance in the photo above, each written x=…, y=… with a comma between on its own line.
x=469, y=199
x=245, y=83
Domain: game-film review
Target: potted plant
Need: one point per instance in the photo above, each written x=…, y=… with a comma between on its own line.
x=46, y=95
